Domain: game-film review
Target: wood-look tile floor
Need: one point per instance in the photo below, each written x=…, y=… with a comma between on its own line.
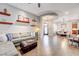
x=53, y=46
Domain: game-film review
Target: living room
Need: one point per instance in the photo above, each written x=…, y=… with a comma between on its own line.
x=39, y=29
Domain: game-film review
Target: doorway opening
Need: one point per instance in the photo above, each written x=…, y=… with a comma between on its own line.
x=55, y=28
x=45, y=29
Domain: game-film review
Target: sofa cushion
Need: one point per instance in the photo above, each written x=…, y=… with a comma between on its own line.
x=9, y=36
x=8, y=49
x=15, y=35
x=3, y=38
x=22, y=39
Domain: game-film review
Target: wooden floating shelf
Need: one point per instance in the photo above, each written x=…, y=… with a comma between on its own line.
x=6, y=23
x=22, y=21
x=2, y=13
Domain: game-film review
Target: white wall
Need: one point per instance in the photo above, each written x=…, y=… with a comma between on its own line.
x=22, y=27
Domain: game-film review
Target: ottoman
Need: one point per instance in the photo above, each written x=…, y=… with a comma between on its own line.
x=27, y=46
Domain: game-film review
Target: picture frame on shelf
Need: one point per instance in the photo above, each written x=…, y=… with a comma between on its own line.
x=5, y=12
x=23, y=19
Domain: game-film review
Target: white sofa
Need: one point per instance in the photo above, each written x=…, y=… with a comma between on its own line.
x=8, y=49
x=16, y=38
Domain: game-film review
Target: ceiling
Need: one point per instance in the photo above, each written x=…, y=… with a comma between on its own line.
x=59, y=8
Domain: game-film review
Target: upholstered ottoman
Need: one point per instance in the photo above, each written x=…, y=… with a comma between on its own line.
x=27, y=46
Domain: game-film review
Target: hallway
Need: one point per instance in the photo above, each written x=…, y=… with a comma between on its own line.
x=54, y=46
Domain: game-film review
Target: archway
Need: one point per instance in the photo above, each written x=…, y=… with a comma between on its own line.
x=47, y=19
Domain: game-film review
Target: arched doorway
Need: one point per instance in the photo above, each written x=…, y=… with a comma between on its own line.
x=47, y=24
